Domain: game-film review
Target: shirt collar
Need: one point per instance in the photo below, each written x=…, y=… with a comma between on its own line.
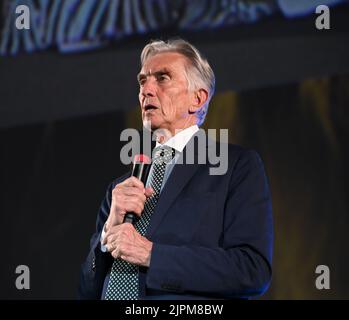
x=179, y=140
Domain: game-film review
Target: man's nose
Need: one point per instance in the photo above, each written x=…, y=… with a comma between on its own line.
x=148, y=88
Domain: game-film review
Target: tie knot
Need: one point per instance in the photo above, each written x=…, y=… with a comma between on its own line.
x=163, y=154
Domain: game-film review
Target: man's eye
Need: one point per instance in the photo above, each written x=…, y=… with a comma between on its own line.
x=141, y=82
x=163, y=78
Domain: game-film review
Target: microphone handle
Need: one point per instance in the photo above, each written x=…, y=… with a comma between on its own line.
x=140, y=171
x=130, y=218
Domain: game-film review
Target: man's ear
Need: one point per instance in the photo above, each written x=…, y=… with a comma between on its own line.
x=199, y=98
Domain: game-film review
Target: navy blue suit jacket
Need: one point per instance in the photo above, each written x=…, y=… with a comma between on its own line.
x=212, y=235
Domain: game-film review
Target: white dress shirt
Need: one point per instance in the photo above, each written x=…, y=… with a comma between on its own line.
x=177, y=142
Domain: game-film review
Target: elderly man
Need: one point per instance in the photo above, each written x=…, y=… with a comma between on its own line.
x=197, y=235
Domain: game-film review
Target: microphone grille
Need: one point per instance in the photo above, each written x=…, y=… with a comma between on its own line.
x=141, y=158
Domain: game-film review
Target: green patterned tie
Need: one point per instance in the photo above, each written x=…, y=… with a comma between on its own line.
x=123, y=282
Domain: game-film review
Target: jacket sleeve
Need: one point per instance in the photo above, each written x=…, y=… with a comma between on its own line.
x=241, y=266
x=95, y=267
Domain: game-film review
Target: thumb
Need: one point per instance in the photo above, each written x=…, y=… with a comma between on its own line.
x=148, y=191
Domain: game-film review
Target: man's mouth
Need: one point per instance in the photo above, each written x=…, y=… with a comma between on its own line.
x=150, y=107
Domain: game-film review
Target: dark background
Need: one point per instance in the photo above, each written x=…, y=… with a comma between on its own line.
x=282, y=89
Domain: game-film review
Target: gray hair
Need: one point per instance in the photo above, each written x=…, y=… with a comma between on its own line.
x=198, y=73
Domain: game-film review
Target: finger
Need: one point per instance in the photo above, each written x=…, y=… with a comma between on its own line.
x=115, y=253
x=112, y=234
x=110, y=247
x=108, y=240
x=134, y=182
x=148, y=191
x=124, y=257
x=134, y=205
x=134, y=193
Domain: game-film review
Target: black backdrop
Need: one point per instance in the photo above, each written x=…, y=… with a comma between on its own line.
x=49, y=199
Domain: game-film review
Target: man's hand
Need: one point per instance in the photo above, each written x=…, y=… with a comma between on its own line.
x=127, y=196
x=124, y=242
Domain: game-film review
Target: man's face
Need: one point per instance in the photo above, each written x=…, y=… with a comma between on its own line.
x=163, y=92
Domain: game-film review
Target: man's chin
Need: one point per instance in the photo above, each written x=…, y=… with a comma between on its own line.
x=150, y=124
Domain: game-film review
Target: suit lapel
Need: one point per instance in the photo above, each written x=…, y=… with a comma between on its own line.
x=179, y=177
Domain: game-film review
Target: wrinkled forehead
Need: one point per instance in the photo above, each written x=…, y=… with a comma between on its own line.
x=171, y=61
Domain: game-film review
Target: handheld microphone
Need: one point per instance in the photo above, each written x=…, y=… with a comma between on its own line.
x=141, y=166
